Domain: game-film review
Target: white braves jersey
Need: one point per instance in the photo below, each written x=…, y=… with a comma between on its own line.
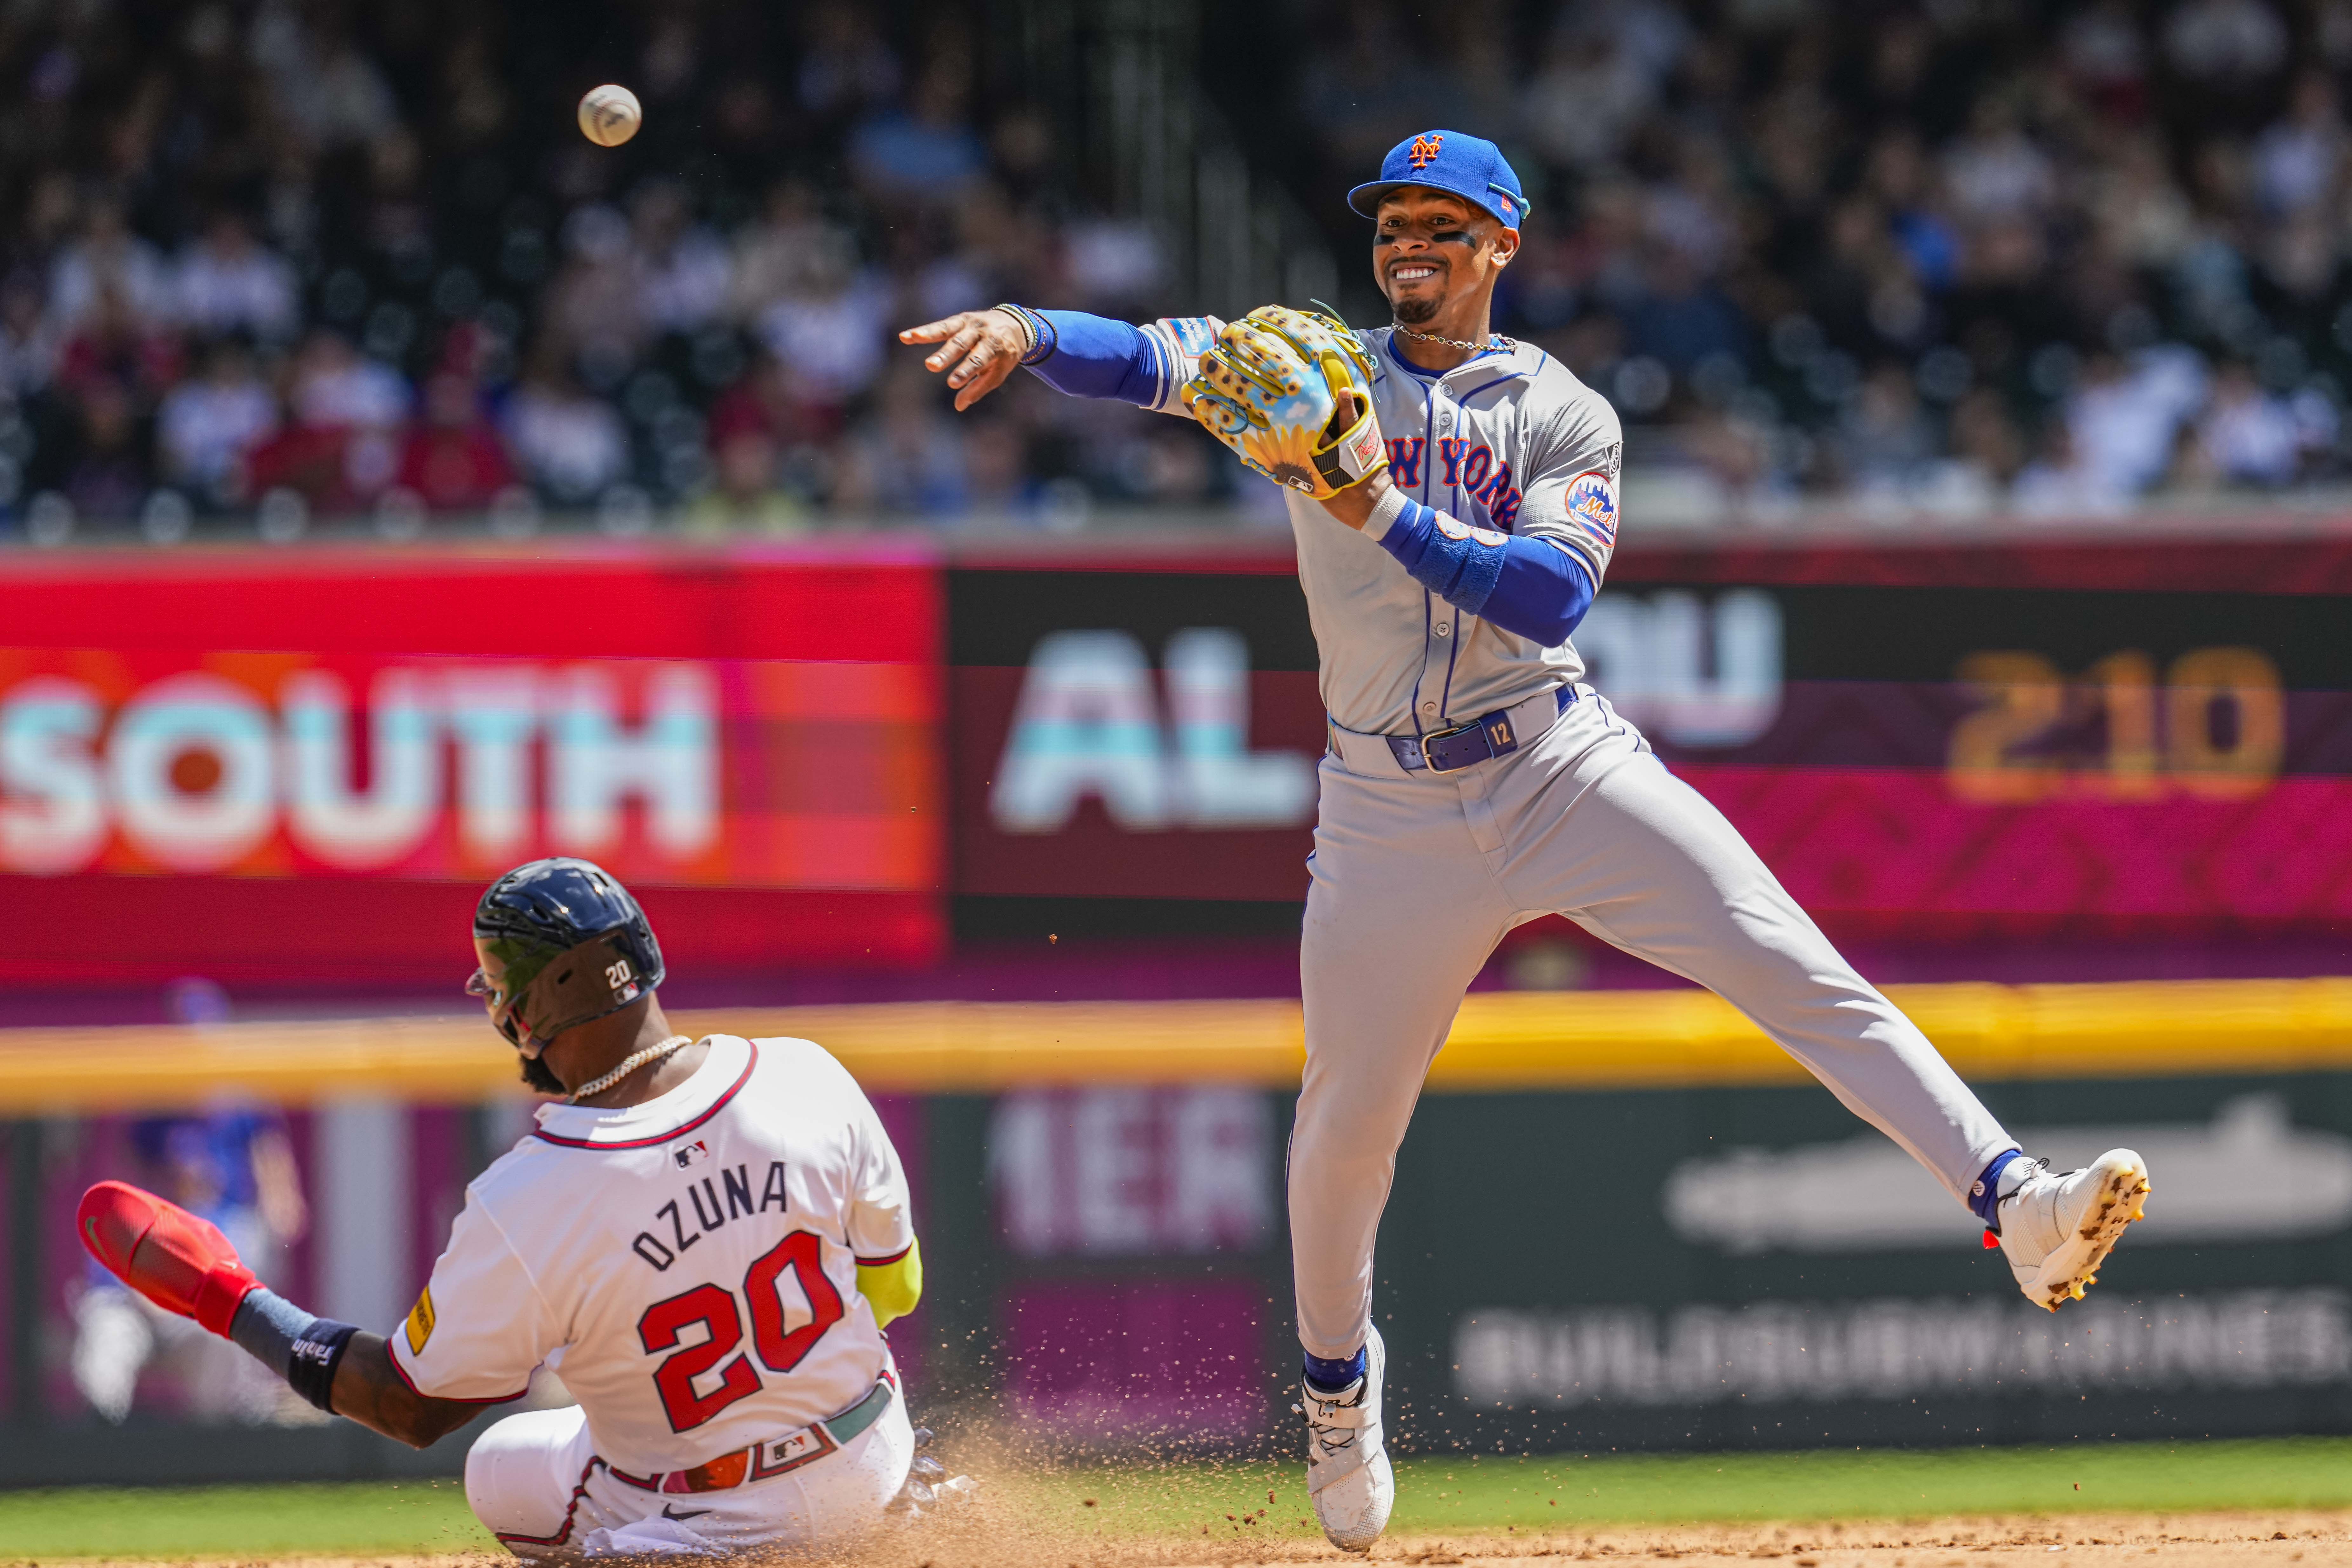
x=1510, y=441
x=688, y=1265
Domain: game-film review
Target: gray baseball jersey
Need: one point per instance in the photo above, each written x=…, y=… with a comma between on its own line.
x=1416, y=874
x=1509, y=441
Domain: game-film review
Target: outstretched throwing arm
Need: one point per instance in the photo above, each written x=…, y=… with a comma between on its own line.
x=1072, y=352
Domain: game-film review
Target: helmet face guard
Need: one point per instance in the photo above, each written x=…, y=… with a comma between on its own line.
x=561, y=944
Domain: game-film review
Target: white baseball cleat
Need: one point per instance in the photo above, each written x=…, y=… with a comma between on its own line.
x=1348, y=1470
x=2058, y=1230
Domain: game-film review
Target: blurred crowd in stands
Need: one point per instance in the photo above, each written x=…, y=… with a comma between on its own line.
x=1926, y=260
x=283, y=261
x=286, y=260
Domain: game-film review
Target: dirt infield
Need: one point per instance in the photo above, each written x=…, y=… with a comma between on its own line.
x=2186, y=1541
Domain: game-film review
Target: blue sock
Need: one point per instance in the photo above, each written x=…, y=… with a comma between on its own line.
x=1984, y=1198
x=1334, y=1375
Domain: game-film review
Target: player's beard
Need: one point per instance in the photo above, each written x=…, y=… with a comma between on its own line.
x=540, y=1076
x=1414, y=313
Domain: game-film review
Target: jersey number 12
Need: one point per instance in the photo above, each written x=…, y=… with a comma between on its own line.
x=714, y=1307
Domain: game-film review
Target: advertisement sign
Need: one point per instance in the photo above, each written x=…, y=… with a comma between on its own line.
x=1940, y=740
x=1776, y=1274
x=273, y=764
x=358, y=743
x=1132, y=733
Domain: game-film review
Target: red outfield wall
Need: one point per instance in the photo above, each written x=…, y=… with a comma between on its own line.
x=288, y=766
x=275, y=766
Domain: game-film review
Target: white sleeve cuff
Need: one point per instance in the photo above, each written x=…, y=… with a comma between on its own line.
x=1385, y=512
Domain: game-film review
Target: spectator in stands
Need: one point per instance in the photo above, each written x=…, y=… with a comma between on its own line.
x=684, y=271
x=228, y=283
x=453, y=460
x=1587, y=97
x=344, y=445
x=597, y=304
x=829, y=330
x=2299, y=161
x=2061, y=484
x=323, y=83
x=109, y=474
x=845, y=66
x=207, y=426
x=748, y=498
x=573, y=446
x=907, y=459
x=28, y=340
x=107, y=259
x=334, y=384
x=2248, y=437
x=114, y=344
x=927, y=151
x=2120, y=423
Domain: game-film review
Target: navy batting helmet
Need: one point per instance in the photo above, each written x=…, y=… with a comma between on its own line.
x=562, y=943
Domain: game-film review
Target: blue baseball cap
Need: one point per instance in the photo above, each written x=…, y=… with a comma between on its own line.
x=1470, y=168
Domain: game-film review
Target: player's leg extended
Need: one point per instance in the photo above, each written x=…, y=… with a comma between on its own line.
x=1400, y=914
x=1600, y=831
x=1402, y=911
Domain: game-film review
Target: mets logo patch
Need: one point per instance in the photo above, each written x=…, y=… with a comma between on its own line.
x=1592, y=501
x=1424, y=151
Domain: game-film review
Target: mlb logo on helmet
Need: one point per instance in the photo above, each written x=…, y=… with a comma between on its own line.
x=1470, y=168
x=1592, y=501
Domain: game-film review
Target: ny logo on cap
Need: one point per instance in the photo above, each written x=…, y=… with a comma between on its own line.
x=1424, y=151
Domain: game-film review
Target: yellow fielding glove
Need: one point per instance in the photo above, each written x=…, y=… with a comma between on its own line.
x=1291, y=393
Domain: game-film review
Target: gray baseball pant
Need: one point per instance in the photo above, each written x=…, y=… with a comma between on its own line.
x=1416, y=876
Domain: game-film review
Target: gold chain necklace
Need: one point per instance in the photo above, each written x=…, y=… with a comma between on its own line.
x=629, y=1064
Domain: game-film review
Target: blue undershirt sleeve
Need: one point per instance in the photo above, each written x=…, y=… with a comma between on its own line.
x=1094, y=356
x=1528, y=587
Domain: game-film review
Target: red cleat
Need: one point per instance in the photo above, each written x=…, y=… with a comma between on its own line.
x=176, y=1260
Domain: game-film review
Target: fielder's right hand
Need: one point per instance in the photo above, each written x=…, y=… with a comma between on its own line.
x=978, y=348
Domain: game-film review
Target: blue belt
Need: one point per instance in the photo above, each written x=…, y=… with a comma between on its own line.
x=1448, y=751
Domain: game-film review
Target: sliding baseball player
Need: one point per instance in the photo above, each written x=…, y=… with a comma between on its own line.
x=1454, y=498
x=705, y=1237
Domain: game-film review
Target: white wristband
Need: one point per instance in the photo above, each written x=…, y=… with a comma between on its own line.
x=1386, y=510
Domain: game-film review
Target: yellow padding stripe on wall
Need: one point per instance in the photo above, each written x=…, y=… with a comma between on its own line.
x=1502, y=1041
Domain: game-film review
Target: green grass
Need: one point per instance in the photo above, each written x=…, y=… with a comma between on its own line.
x=1434, y=1496
x=1490, y=1492
x=240, y=1522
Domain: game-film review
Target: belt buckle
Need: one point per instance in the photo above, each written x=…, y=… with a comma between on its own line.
x=1494, y=728
x=1429, y=758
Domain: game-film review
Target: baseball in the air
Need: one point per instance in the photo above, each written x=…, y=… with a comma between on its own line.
x=610, y=115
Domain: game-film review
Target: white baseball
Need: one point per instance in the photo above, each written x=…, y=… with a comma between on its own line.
x=610, y=115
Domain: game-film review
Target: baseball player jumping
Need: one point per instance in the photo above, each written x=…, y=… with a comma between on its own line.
x=705, y=1236
x=1454, y=500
